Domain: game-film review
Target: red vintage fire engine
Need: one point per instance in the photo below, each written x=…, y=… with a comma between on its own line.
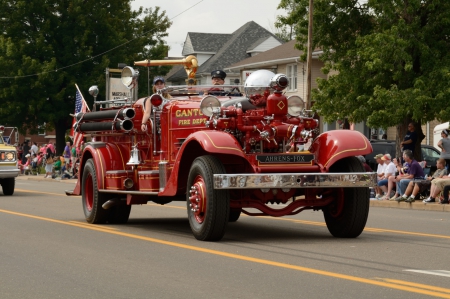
x=224, y=154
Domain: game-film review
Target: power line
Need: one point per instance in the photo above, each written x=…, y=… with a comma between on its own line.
x=93, y=57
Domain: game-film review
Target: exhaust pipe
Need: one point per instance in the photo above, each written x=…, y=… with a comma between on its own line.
x=119, y=125
x=126, y=113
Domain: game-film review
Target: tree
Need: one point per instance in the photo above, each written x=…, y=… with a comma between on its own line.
x=387, y=60
x=48, y=45
x=285, y=24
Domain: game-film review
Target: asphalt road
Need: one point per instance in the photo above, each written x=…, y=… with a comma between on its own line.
x=47, y=250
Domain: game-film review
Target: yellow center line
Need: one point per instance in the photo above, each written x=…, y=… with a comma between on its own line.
x=88, y=225
x=38, y=192
x=430, y=290
x=417, y=285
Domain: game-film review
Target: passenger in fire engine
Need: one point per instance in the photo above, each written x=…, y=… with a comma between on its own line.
x=158, y=85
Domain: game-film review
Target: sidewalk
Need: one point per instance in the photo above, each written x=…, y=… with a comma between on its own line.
x=417, y=205
x=40, y=177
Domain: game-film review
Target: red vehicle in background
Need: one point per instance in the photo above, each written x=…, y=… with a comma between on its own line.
x=224, y=155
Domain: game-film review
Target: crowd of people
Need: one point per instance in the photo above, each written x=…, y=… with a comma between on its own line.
x=397, y=181
x=34, y=158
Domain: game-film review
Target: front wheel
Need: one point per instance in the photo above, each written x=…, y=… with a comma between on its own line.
x=208, y=209
x=347, y=215
x=8, y=185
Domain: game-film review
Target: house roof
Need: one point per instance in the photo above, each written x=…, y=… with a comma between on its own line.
x=204, y=42
x=235, y=49
x=284, y=51
x=226, y=49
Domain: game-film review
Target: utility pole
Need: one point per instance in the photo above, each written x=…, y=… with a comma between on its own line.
x=309, y=57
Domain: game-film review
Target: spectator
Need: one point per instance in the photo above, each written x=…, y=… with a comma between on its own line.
x=25, y=167
x=67, y=153
x=384, y=136
x=389, y=170
x=57, y=165
x=409, y=142
x=380, y=174
x=49, y=154
x=74, y=155
x=416, y=187
x=436, y=187
x=444, y=145
x=391, y=180
x=43, y=149
x=26, y=151
x=34, y=164
x=445, y=191
x=20, y=151
x=415, y=171
x=34, y=149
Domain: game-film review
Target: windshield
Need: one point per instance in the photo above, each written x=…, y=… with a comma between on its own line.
x=220, y=90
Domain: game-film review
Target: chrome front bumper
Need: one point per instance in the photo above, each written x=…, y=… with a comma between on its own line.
x=297, y=180
x=9, y=172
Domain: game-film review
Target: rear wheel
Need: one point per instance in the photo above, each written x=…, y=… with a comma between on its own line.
x=208, y=209
x=119, y=214
x=92, y=200
x=347, y=215
x=8, y=185
x=234, y=215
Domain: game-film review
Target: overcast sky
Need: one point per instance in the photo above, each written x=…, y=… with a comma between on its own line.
x=211, y=16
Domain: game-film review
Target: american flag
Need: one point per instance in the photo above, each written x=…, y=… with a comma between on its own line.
x=80, y=106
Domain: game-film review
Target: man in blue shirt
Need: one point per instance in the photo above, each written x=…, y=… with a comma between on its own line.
x=415, y=171
x=409, y=142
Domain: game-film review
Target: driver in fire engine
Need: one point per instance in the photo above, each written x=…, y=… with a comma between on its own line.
x=218, y=78
x=158, y=86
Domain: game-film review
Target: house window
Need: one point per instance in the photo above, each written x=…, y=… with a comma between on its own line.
x=41, y=130
x=292, y=76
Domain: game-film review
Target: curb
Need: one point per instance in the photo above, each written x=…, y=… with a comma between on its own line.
x=410, y=206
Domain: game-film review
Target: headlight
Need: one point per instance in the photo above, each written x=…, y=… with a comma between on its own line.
x=8, y=156
x=129, y=77
x=295, y=106
x=210, y=105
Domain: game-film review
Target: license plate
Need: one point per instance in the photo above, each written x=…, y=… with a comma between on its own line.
x=279, y=159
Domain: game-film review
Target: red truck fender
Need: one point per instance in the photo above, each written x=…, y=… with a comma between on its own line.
x=197, y=144
x=103, y=154
x=335, y=145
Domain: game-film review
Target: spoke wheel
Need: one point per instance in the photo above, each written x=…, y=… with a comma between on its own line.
x=208, y=209
x=346, y=217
